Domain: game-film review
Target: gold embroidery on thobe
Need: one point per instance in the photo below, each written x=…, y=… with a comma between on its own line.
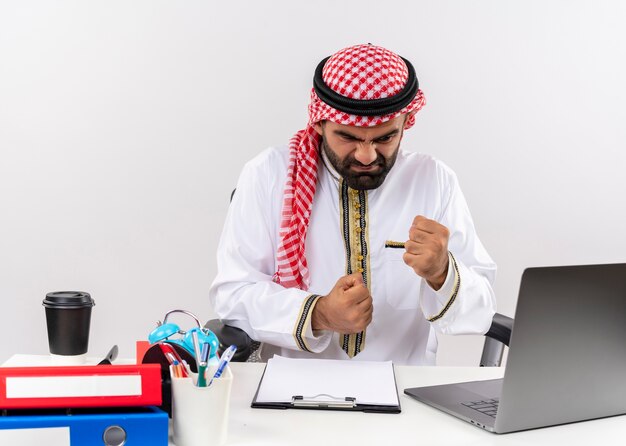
x=303, y=321
x=455, y=291
x=353, y=207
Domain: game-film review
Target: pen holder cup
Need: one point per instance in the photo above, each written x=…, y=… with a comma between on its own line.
x=200, y=414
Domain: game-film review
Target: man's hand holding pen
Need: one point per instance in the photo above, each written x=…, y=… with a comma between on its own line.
x=346, y=309
x=427, y=250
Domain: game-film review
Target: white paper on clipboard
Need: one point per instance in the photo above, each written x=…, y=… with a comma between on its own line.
x=369, y=382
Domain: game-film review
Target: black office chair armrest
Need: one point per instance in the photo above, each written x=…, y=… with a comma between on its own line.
x=229, y=335
x=501, y=328
x=498, y=336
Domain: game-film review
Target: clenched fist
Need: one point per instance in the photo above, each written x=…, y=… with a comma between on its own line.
x=427, y=250
x=346, y=309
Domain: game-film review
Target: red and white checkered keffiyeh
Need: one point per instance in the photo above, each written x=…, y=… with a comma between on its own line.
x=359, y=72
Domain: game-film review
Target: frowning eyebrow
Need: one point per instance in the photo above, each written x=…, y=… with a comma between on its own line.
x=349, y=135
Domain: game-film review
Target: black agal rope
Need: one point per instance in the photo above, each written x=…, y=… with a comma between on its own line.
x=366, y=107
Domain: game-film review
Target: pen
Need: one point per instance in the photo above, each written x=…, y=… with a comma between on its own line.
x=224, y=360
x=204, y=357
x=175, y=369
x=170, y=358
x=187, y=368
x=196, y=346
x=206, y=351
x=167, y=348
x=202, y=374
x=180, y=370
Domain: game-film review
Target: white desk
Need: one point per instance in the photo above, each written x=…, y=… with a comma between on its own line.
x=417, y=424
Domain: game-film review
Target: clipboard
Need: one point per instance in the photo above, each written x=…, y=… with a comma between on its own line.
x=328, y=384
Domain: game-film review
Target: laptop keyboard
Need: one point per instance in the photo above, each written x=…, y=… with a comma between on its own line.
x=488, y=407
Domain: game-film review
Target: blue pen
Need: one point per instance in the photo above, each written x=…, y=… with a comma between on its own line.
x=206, y=351
x=224, y=360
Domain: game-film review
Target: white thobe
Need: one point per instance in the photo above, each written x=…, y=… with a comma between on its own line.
x=407, y=311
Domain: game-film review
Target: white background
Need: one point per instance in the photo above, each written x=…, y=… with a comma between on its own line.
x=124, y=125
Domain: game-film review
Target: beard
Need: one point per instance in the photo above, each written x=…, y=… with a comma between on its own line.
x=360, y=180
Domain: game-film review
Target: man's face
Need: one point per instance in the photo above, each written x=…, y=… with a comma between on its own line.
x=363, y=156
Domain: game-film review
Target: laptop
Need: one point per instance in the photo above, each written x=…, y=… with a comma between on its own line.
x=567, y=355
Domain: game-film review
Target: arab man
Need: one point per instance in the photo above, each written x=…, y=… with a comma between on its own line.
x=343, y=244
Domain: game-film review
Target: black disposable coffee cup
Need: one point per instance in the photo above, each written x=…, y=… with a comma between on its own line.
x=68, y=317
